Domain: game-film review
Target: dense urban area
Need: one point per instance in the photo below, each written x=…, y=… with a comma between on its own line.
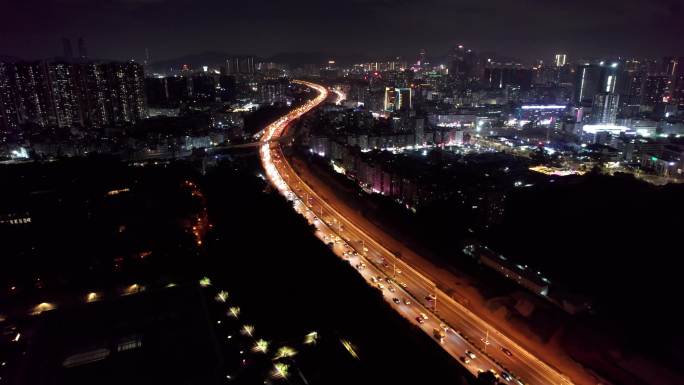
x=458, y=216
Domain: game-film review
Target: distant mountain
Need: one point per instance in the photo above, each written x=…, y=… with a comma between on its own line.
x=293, y=59
x=9, y=59
x=210, y=58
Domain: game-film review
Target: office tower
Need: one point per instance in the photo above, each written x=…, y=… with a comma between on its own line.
x=422, y=58
x=656, y=88
x=591, y=79
x=398, y=99
x=560, y=59
x=67, y=49
x=673, y=68
x=461, y=62
x=605, y=107
x=669, y=66
x=82, y=50
x=501, y=76
x=240, y=65
x=634, y=86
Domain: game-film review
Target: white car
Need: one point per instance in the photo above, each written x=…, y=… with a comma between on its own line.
x=424, y=316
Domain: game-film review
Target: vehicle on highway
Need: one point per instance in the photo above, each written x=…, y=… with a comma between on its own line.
x=507, y=352
x=444, y=327
x=420, y=320
x=403, y=284
x=407, y=301
x=424, y=316
x=391, y=289
x=375, y=280
x=381, y=286
x=396, y=300
x=470, y=354
x=439, y=335
x=465, y=359
x=506, y=376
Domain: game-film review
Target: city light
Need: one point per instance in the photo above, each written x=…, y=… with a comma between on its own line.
x=543, y=107
x=261, y=346
x=311, y=338
x=222, y=296
x=280, y=370
x=285, y=352
x=247, y=330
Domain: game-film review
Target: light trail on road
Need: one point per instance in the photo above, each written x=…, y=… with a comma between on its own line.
x=376, y=263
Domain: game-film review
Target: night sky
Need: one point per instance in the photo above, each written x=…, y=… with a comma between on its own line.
x=528, y=29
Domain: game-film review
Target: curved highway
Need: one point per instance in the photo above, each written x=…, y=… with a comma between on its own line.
x=411, y=292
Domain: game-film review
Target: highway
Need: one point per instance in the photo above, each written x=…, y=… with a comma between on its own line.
x=377, y=264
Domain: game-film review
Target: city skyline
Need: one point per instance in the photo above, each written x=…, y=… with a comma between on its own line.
x=125, y=29
x=275, y=192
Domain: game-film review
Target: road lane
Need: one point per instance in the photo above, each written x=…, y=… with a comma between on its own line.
x=381, y=262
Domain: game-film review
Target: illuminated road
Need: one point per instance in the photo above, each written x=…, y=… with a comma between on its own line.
x=466, y=331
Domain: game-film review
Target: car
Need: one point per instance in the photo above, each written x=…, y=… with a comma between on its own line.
x=420, y=320
x=391, y=289
x=407, y=301
x=506, y=376
x=375, y=280
x=465, y=359
x=396, y=300
x=444, y=327
x=519, y=381
x=507, y=352
x=403, y=284
x=424, y=316
x=470, y=354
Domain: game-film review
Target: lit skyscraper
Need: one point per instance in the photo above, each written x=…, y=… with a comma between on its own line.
x=397, y=99
x=9, y=120
x=560, y=59
x=605, y=107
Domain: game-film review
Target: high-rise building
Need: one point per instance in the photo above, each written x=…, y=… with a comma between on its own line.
x=591, y=79
x=128, y=92
x=82, y=50
x=32, y=94
x=398, y=99
x=9, y=119
x=63, y=104
x=656, y=89
x=560, y=59
x=464, y=63
x=240, y=65
x=501, y=76
x=68, y=51
x=605, y=108
x=63, y=94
